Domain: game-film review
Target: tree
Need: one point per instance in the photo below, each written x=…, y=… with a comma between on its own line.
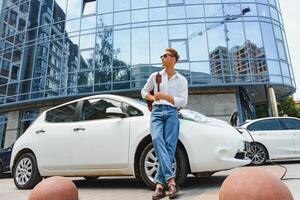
x=289, y=107
x=285, y=106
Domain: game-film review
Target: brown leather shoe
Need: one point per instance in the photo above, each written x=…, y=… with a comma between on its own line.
x=159, y=193
x=173, y=191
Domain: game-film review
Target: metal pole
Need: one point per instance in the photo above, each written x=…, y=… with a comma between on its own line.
x=272, y=101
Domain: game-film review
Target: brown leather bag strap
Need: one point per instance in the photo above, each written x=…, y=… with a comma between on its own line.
x=158, y=81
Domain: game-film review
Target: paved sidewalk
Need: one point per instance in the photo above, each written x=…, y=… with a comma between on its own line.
x=127, y=188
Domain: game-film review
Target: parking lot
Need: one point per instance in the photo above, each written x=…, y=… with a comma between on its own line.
x=126, y=188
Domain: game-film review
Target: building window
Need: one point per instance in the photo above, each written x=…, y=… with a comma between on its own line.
x=181, y=46
x=26, y=118
x=88, y=7
x=3, y=123
x=171, y=2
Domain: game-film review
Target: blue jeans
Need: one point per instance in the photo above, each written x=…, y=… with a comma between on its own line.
x=164, y=133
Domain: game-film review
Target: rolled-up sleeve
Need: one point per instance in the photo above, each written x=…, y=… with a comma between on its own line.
x=148, y=86
x=181, y=99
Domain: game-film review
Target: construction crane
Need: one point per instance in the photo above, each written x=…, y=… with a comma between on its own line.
x=226, y=19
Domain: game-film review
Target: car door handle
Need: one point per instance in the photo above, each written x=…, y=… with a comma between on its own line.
x=40, y=131
x=78, y=129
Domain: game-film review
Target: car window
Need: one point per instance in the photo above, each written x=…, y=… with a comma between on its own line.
x=64, y=113
x=130, y=110
x=96, y=109
x=291, y=124
x=265, y=125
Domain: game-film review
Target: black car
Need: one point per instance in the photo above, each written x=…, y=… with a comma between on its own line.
x=4, y=160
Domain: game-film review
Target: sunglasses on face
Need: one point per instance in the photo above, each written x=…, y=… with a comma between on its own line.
x=165, y=55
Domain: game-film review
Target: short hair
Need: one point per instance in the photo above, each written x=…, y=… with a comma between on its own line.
x=173, y=52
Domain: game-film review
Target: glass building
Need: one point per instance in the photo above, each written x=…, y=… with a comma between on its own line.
x=55, y=50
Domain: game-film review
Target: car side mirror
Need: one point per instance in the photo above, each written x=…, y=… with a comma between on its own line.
x=115, y=112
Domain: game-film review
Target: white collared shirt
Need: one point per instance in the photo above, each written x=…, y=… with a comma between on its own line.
x=177, y=87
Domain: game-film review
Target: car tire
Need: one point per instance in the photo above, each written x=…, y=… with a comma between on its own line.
x=89, y=178
x=148, y=156
x=258, y=154
x=25, y=172
x=1, y=170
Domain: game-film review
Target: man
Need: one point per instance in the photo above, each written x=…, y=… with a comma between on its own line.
x=172, y=96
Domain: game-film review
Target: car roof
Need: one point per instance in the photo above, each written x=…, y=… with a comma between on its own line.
x=248, y=122
x=110, y=96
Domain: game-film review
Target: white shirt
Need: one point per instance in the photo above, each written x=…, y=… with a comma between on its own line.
x=177, y=87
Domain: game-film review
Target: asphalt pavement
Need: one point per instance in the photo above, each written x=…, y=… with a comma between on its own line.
x=127, y=188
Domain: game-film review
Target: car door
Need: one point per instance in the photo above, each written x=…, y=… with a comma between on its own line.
x=99, y=141
x=270, y=133
x=53, y=137
x=292, y=127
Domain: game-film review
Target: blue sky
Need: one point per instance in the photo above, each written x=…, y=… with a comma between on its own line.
x=290, y=10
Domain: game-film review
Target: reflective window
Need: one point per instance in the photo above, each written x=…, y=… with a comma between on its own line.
x=121, y=18
x=274, y=14
x=281, y=50
x=273, y=67
x=64, y=113
x=176, y=12
x=197, y=42
x=85, y=80
x=140, y=46
x=269, y=41
x=263, y=10
x=86, y=59
x=216, y=36
x=104, y=49
x=87, y=41
x=156, y=3
x=235, y=34
x=96, y=108
x=121, y=5
x=158, y=14
x=170, y=2
x=285, y=69
x=194, y=11
x=265, y=125
x=158, y=42
x=121, y=47
x=88, y=7
x=262, y=1
x=177, y=32
x=200, y=72
x=213, y=10
x=139, y=15
x=73, y=26
x=135, y=4
x=253, y=33
x=291, y=124
x=62, y=4
x=74, y=9
x=105, y=20
x=88, y=22
x=105, y=6
x=193, y=1
x=181, y=47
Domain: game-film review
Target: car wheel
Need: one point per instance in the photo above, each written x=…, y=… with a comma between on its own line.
x=148, y=166
x=1, y=170
x=258, y=154
x=90, y=177
x=25, y=172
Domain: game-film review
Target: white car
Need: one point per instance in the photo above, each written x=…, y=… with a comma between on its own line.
x=108, y=135
x=274, y=138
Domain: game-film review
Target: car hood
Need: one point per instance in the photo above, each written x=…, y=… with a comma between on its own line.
x=194, y=116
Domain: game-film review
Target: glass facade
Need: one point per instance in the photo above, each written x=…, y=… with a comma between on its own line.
x=57, y=48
